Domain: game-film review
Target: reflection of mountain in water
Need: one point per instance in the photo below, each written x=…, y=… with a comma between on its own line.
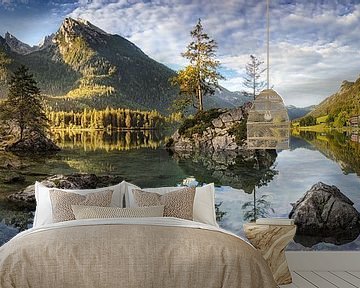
x=338, y=147
x=298, y=142
x=108, y=140
x=242, y=170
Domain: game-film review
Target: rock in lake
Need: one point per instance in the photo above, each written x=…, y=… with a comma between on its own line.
x=35, y=143
x=326, y=214
x=74, y=181
x=14, y=178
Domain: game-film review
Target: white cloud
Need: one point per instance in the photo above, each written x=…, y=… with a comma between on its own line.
x=8, y=3
x=314, y=45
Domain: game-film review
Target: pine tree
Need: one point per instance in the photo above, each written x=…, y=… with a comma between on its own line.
x=200, y=77
x=252, y=80
x=23, y=105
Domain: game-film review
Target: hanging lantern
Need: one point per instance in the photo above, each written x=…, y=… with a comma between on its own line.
x=268, y=122
x=268, y=125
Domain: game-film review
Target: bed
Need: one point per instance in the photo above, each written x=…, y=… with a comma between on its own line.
x=131, y=252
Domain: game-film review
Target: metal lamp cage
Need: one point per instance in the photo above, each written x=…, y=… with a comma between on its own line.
x=268, y=122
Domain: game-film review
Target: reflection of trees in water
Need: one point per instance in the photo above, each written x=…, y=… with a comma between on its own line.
x=338, y=147
x=241, y=170
x=108, y=140
x=257, y=208
x=219, y=214
x=245, y=170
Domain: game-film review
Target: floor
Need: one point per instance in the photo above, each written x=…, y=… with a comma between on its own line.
x=324, y=269
x=324, y=279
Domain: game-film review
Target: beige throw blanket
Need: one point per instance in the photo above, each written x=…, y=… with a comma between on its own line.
x=151, y=252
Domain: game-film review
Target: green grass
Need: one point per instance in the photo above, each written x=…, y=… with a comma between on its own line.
x=321, y=119
x=315, y=128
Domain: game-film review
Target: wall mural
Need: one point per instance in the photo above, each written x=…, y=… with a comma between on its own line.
x=91, y=108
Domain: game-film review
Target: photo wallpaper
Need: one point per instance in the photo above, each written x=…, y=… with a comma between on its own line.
x=186, y=93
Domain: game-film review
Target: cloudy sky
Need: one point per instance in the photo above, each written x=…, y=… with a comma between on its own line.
x=314, y=43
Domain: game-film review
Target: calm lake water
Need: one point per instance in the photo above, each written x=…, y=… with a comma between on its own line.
x=277, y=179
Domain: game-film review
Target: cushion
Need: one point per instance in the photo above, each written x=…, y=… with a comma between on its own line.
x=204, y=205
x=61, y=202
x=93, y=212
x=204, y=202
x=177, y=203
x=43, y=212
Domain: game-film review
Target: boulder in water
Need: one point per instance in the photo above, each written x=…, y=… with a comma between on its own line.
x=327, y=214
x=35, y=143
x=14, y=178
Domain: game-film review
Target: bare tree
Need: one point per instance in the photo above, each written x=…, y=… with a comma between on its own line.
x=253, y=79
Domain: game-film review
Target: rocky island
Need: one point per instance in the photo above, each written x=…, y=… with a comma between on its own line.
x=34, y=144
x=212, y=130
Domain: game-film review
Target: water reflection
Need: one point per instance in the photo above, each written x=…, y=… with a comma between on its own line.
x=16, y=215
x=244, y=170
x=337, y=146
x=108, y=140
x=338, y=239
x=259, y=207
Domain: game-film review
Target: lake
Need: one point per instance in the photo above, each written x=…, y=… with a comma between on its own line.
x=272, y=183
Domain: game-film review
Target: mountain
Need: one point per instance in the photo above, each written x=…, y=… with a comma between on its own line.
x=17, y=46
x=82, y=66
x=298, y=112
x=347, y=99
x=47, y=41
x=224, y=98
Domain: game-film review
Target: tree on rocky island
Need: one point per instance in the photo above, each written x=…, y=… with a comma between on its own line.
x=252, y=80
x=23, y=107
x=200, y=77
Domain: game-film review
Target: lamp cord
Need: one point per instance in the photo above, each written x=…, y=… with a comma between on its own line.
x=268, y=44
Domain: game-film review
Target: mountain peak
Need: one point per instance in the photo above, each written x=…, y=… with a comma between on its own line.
x=91, y=26
x=46, y=41
x=8, y=35
x=71, y=28
x=17, y=46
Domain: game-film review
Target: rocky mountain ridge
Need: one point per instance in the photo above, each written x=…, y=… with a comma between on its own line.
x=22, y=48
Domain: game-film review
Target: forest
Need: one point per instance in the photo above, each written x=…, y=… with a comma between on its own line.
x=111, y=119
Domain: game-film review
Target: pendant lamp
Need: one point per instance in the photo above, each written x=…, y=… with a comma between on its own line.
x=268, y=120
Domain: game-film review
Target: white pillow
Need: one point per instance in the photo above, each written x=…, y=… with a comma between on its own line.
x=43, y=212
x=204, y=202
x=204, y=205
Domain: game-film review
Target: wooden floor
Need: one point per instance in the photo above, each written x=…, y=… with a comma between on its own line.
x=324, y=269
x=324, y=279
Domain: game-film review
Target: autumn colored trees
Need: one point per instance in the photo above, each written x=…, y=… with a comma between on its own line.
x=110, y=118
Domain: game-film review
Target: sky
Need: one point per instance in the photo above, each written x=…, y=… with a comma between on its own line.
x=314, y=44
